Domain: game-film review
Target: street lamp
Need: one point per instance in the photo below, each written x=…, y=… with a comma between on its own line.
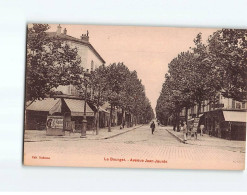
x=84, y=121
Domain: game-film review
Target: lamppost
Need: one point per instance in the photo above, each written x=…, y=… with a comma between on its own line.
x=84, y=121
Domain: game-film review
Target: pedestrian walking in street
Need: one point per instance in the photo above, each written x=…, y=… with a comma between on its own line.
x=201, y=129
x=185, y=131
x=152, y=126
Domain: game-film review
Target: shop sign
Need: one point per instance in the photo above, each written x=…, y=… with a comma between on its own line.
x=54, y=122
x=195, y=124
x=218, y=105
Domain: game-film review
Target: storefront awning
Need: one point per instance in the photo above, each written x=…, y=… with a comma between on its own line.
x=50, y=105
x=77, y=107
x=235, y=116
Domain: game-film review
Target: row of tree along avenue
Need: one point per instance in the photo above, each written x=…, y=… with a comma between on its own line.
x=121, y=87
x=51, y=62
x=203, y=71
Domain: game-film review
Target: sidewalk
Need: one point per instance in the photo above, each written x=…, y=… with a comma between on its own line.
x=104, y=134
x=38, y=136
x=206, y=140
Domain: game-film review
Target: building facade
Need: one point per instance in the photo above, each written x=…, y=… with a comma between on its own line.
x=90, y=58
x=68, y=103
x=225, y=118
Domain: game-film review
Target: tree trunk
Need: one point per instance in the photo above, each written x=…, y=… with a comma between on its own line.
x=177, y=121
x=97, y=122
x=123, y=118
x=198, y=108
x=186, y=115
x=109, y=126
x=97, y=116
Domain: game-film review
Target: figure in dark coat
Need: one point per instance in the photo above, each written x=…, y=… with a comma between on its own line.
x=152, y=126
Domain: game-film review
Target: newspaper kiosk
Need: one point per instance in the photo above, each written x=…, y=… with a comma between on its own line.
x=55, y=125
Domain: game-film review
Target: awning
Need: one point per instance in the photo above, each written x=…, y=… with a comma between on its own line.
x=77, y=107
x=50, y=105
x=235, y=116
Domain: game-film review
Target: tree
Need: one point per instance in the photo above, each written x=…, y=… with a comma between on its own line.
x=50, y=63
x=228, y=53
x=116, y=75
x=98, y=83
x=203, y=77
x=191, y=79
x=170, y=102
x=132, y=96
x=121, y=88
x=180, y=73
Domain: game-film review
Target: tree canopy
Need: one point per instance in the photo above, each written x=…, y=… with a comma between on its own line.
x=120, y=87
x=50, y=63
x=204, y=71
x=228, y=52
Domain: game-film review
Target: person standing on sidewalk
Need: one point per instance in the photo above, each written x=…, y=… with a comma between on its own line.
x=152, y=126
x=201, y=129
x=194, y=132
x=185, y=131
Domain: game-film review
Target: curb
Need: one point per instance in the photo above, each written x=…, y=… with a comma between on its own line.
x=120, y=133
x=178, y=138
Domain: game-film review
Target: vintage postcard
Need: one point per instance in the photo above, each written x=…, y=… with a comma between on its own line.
x=135, y=97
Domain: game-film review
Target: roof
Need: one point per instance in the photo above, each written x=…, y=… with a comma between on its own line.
x=44, y=105
x=77, y=107
x=235, y=116
x=80, y=41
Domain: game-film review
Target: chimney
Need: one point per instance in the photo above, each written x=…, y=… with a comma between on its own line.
x=85, y=37
x=65, y=31
x=59, y=29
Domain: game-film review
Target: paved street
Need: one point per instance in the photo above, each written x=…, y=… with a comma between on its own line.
x=135, y=148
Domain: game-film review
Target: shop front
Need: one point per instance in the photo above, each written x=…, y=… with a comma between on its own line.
x=226, y=124
x=70, y=110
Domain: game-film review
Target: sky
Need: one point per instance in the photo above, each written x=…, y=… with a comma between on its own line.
x=148, y=50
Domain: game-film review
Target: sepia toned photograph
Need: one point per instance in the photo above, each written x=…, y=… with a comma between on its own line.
x=135, y=97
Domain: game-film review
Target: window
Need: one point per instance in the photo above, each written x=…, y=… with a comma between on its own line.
x=243, y=105
x=233, y=104
x=92, y=65
x=238, y=105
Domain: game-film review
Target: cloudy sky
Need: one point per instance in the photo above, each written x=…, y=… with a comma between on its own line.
x=148, y=50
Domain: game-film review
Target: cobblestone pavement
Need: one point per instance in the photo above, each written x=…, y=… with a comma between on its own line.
x=135, y=149
x=39, y=136
x=206, y=140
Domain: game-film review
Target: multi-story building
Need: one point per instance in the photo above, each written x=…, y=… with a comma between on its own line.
x=90, y=58
x=225, y=118
x=68, y=103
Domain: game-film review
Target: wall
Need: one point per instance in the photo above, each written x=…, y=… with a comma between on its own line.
x=96, y=61
x=87, y=56
x=82, y=52
x=230, y=104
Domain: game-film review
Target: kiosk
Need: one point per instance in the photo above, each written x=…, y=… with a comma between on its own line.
x=55, y=125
